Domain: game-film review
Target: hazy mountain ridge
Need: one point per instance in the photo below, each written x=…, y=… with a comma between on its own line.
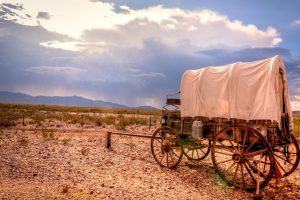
x=11, y=97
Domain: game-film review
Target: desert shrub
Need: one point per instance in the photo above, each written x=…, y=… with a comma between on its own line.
x=108, y=119
x=9, y=117
x=122, y=122
x=91, y=119
x=139, y=121
x=72, y=118
x=127, y=121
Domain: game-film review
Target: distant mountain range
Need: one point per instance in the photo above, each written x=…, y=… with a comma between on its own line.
x=11, y=97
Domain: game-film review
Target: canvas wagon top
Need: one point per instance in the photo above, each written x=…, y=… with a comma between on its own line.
x=255, y=90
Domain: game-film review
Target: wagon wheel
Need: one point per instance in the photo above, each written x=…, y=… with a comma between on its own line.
x=195, y=149
x=165, y=148
x=287, y=157
x=242, y=156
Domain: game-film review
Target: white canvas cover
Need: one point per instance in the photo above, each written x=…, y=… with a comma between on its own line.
x=242, y=90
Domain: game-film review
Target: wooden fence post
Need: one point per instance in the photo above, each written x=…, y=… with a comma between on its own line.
x=108, y=139
x=149, y=123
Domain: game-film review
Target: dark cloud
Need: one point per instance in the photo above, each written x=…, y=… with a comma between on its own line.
x=8, y=12
x=43, y=15
x=14, y=6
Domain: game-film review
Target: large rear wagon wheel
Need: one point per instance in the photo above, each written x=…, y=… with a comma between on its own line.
x=165, y=148
x=242, y=157
x=287, y=157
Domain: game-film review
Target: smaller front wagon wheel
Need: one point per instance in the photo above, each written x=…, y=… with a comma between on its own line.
x=165, y=147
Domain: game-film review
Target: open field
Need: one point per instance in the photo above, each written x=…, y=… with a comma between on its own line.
x=59, y=154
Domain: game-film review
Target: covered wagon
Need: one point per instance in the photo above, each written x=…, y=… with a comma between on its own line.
x=239, y=112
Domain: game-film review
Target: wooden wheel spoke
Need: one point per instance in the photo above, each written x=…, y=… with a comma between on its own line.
x=231, y=143
x=158, y=152
x=175, y=154
x=250, y=173
x=226, y=147
x=192, y=154
x=227, y=154
x=159, y=140
x=281, y=167
x=234, y=130
x=255, y=153
x=265, y=162
x=197, y=153
x=235, y=173
x=162, y=158
x=252, y=143
x=167, y=159
x=283, y=159
x=244, y=139
x=230, y=167
x=242, y=172
x=158, y=146
x=224, y=161
x=202, y=151
x=255, y=169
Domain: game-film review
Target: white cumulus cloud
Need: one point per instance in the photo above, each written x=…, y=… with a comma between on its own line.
x=193, y=29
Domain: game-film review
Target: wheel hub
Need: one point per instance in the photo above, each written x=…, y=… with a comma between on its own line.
x=238, y=158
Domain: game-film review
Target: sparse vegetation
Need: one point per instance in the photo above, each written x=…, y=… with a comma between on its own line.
x=75, y=109
x=125, y=121
x=47, y=115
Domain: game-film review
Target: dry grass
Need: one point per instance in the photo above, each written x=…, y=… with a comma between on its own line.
x=48, y=116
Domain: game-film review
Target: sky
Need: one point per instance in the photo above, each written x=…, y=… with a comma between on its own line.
x=135, y=52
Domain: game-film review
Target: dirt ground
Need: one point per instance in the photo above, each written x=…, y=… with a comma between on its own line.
x=74, y=164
